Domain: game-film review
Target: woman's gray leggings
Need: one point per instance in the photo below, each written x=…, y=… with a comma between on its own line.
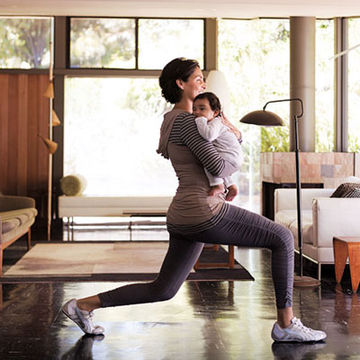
x=238, y=227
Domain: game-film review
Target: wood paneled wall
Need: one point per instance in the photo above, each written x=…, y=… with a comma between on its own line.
x=24, y=113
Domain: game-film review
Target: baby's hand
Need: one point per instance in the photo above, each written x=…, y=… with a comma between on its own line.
x=231, y=127
x=232, y=192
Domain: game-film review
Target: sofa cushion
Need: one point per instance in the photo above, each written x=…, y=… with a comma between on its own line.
x=285, y=217
x=307, y=233
x=9, y=225
x=288, y=218
x=347, y=190
x=21, y=215
x=307, y=228
x=22, y=218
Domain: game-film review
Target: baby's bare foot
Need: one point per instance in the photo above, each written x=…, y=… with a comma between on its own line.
x=232, y=192
x=217, y=189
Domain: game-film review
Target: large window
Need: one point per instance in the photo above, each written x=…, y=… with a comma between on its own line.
x=111, y=131
x=119, y=118
x=112, y=125
x=102, y=43
x=134, y=44
x=254, y=55
x=162, y=40
x=324, y=106
x=354, y=86
x=24, y=42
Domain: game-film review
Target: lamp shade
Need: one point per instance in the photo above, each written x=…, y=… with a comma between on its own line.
x=55, y=120
x=216, y=83
x=263, y=118
x=49, y=92
x=51, y=145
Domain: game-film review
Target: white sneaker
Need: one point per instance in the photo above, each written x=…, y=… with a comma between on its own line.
x=82, y=318
x=296, y=332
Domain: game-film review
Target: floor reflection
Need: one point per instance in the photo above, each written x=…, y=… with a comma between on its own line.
x=82, y=350
x=292, y=351
x=206, y=320
x=347, y=311
x=221, y=307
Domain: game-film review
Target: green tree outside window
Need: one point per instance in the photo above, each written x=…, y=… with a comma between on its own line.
x=24, y=42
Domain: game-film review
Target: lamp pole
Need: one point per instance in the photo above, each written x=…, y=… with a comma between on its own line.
x=297, y=172
x=301, y=280
x=298, y=188
x=267, y=118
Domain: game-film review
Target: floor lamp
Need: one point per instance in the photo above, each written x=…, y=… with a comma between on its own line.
x=49, y=143
x=268, y=118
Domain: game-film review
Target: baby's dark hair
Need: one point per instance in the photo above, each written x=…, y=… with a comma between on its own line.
x=177, y=69
x=213, y=100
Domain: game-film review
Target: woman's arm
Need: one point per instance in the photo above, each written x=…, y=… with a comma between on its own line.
x=203, y=150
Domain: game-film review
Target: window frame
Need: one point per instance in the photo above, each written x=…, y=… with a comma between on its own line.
x=122, y=71
x=32, y=71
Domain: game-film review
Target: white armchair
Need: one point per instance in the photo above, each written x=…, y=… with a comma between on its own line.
x=322, y=219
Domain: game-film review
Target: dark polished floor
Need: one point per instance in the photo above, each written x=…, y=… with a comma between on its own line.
x=206, y=320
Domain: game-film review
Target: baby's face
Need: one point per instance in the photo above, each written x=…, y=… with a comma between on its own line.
x=201, y=107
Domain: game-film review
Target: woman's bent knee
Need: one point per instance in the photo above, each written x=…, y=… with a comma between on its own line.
x=166, y=294
x=287, y=239
x=163, y=293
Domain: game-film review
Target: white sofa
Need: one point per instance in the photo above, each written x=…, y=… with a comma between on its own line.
x=322, y=219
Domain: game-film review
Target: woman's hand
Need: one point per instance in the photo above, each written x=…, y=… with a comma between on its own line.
x=231, y=127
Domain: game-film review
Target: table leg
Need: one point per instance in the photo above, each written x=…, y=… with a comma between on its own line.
x=340, y=257
x=231, y=257
x=354, y=262
x=72, y=229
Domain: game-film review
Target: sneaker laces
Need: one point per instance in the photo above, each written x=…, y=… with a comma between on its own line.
x=88, y=316
x=85, y=315
x=298, y=324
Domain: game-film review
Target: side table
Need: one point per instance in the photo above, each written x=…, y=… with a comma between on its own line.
x=347, y=247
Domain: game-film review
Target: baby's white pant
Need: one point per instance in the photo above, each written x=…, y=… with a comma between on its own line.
x=227, y=181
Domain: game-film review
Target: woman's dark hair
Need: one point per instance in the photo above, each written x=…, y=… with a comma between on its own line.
x=177, y=69
x=213, y=100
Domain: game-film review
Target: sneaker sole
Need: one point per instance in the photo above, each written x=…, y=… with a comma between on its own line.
x=300, y=341
x=76, y=322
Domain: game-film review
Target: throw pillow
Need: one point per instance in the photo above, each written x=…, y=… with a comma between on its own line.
x=347, y=190
x=353, y=193
x=72, y=185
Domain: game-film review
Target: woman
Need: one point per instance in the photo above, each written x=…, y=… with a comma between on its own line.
x=195, y=218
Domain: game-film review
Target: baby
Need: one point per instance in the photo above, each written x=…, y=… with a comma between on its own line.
x=207, y=109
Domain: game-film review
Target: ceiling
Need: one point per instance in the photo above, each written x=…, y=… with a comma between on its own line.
x=182, y=8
